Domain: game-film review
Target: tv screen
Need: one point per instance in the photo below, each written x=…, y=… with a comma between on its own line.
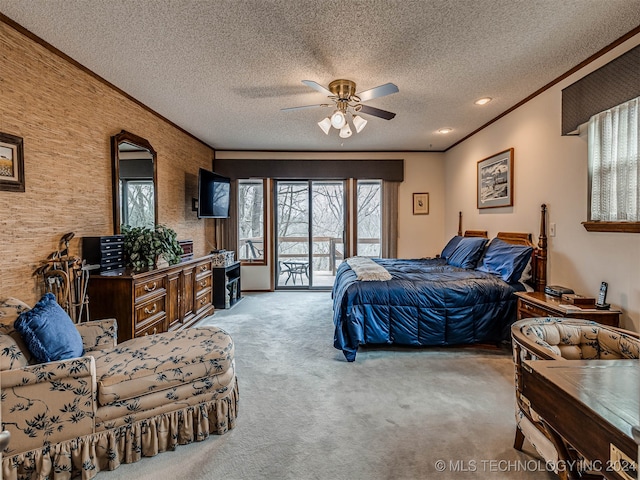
x=213, y=195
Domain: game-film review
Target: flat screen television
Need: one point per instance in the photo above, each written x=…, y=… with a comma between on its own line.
x=213, y=195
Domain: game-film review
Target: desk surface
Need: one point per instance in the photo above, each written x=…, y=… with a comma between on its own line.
x=592, y=404
x=610, y=388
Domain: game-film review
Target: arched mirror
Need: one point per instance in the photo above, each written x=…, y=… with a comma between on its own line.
x=135, y=193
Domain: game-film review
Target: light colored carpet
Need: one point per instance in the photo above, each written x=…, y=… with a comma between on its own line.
x=305, y=413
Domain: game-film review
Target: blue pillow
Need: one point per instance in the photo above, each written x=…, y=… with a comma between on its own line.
x=48, y=331
x=468, y=252
x=506, y=260
x=450, y=247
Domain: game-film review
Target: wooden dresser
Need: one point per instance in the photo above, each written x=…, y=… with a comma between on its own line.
x=538, y=304
x=155, y=301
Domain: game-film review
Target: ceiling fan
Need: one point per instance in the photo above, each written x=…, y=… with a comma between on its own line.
x=347, y=102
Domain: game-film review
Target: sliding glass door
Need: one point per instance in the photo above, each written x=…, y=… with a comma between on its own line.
x=310, y=226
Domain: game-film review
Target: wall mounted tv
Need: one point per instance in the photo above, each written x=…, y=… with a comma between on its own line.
x=214, y=195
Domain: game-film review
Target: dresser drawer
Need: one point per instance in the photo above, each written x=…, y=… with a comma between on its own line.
x=151, y=329
x=203, y=302
x=528, y=310
x=151, y=287
x=203, y=283
x=149, y=312
x=203, y=268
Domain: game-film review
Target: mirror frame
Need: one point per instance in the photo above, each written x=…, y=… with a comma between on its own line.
x=133, y=139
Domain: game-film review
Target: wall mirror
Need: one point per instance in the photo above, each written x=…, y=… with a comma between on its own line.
x=135, y=193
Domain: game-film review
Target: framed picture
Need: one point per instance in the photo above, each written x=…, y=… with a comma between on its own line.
x=421, y=204
x=495, y=180
x=11, y=163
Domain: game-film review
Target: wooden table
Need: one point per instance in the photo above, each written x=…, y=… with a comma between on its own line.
x=591, y=405
x=538, y=304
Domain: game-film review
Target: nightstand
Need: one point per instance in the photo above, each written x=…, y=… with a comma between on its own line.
x=538, y=304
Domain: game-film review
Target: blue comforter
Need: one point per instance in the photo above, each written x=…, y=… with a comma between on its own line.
x=427, y=302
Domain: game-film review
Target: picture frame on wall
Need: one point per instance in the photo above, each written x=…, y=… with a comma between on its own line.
x=421, y=204
x=11, y=163
x=495, y=180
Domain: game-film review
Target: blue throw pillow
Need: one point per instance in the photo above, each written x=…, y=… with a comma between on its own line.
x=48, y=331
x=450, y=247
x=468, y=252
x=506, y=260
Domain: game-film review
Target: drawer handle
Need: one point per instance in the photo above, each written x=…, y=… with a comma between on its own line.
x=155, y=330
x=203, y=301
x=528, y=307
x=203, y=268
x=203, y=283
x=149, y=311
x=151, y=288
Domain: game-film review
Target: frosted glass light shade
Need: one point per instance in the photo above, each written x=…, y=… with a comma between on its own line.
x=325, y=125
x=359, y=123
x=345, y=132
x=338, y=119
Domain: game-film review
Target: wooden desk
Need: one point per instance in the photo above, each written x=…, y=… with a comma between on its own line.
x=538, y=304
x=591, y=405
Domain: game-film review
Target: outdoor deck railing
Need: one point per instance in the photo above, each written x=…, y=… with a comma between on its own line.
x=253, y=248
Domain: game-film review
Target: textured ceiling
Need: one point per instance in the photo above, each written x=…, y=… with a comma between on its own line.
x=222, y=70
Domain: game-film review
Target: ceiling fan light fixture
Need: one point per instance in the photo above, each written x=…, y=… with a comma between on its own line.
x=338, y=120
x=345, y=132
x=359, y=123
x=325, y=125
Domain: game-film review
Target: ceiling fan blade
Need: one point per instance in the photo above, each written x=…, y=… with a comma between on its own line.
x=305, y=106
x=376, y=112
x=318, y=87
x=377, y=92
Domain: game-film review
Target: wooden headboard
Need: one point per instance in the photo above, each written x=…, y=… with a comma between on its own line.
x=539, y=256
x=470, y=233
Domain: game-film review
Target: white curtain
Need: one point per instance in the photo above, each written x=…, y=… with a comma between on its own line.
x=614, y=164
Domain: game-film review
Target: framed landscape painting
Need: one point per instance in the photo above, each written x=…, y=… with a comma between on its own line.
x=11, y=163
x=495, y=180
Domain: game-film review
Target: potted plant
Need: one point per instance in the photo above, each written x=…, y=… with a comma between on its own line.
x=144, y=246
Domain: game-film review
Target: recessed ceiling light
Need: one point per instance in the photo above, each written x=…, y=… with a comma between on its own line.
x=483, y=100
x=445, y=130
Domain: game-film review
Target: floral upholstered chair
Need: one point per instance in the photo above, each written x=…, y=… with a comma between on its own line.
x=560, y=339
x=112, y=404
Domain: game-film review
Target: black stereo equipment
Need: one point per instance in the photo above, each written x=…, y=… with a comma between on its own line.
x=557, y=290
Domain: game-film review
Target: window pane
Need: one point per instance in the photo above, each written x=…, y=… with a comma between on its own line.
x=369, y=215
x=614, y=165
x=251, y=220
x=138, y=197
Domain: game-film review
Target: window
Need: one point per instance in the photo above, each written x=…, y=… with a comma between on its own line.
x=614, y=169
x=369, y=218
x=251, y=221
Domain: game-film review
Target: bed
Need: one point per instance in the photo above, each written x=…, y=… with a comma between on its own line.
x=464, y=297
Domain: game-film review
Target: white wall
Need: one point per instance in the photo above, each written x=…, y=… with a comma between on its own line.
x=551, y=169
x=420, y=235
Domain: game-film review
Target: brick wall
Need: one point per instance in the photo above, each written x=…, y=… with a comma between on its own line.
x=66, y=118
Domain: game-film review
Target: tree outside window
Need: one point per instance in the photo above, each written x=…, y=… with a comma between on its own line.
x=251, y=236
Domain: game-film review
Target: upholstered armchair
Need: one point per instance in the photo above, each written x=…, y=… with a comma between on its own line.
x=560, y=339
x=113, y=404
